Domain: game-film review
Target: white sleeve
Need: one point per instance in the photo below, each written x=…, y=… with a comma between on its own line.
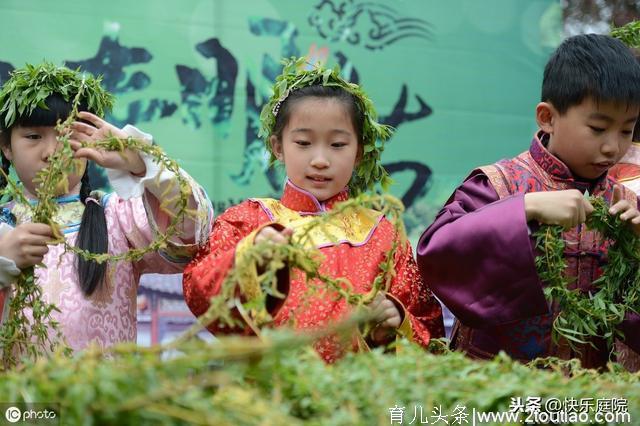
x=162, y=184
x=128, y=186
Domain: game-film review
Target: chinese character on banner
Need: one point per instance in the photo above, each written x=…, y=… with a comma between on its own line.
x=571, y=405
x=396, y=413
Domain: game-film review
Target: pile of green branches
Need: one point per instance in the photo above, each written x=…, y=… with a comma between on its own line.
x=279, y=380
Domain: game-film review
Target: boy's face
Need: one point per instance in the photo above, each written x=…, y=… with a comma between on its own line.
x=590, y=137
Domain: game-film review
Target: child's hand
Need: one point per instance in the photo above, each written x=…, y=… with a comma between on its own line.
x=127, y=160
x=26, y=244
x=272, y=235
x=626, y=211
x=269, y=233
x=567, y=208
x=386, y=317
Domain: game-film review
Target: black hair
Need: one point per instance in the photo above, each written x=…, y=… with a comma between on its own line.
x=92, y=235
x=591, y=66
x=319, y=91
x=6, y=165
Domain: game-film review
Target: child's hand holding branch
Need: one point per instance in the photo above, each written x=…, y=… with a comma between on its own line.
x=127, y=160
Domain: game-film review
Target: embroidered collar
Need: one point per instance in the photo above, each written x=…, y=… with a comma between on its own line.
x=558, y=170
x=69, y=215
x=296, y=198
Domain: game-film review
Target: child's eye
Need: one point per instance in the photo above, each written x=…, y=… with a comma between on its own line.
x=33, y=136
x=627, y=132
x=303, y=143
x=338, y=144
x=597, y=129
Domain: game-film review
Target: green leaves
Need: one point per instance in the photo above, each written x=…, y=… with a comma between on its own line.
x=25, y=332
x=584, y=316
x=29, y=87
x=629, y=34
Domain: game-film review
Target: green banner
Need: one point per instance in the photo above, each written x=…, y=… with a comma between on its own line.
x=459, y=79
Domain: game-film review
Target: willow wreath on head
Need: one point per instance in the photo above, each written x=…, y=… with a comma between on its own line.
x=295, y=75
x=29, y=87
x=23, y=335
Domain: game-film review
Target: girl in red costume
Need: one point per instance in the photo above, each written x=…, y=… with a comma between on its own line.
x=323, y=130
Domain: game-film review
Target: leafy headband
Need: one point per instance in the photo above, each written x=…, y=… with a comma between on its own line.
x=295, y=76
x=29, y=87
x=629, y=34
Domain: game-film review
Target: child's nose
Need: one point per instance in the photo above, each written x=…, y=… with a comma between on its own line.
x=610, y=147
x=320, y=160
x=50, y=145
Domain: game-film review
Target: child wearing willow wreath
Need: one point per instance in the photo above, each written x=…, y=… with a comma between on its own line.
x=96, y=302
x=323, y=130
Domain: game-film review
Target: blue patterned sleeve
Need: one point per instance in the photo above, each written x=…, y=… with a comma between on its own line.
x=7, y=217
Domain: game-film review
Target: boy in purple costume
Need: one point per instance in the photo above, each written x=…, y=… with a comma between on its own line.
x=590, y=103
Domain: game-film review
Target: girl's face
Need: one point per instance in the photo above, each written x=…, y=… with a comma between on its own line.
x=319, y=146
x=29, y=152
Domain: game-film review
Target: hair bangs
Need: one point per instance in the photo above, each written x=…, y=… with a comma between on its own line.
x=57, y=109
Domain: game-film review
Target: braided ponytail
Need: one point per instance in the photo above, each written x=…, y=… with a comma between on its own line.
x=93, y=237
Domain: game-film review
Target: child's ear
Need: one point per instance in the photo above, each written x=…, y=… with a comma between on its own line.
x=6, y=150
x=546, y=115
x=276, y=148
